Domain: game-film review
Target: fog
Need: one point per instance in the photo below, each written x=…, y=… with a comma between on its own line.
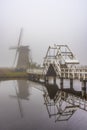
x=44, y=23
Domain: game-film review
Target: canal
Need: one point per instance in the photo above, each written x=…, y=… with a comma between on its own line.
x=26, y=105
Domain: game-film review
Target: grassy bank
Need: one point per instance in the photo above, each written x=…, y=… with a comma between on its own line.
x=16, y=74
x=9, y=73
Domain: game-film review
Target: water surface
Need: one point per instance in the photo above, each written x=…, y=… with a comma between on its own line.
x=25, y=105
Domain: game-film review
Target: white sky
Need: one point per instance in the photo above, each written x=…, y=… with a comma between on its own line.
x=45, y=22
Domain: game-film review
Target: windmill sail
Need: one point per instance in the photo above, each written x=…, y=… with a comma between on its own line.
x=20, y=36
x=19, y=41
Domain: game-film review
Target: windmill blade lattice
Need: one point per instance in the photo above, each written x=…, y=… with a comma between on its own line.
x=19, y=42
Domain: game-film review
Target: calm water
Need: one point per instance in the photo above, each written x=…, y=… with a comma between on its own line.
x=25, y=105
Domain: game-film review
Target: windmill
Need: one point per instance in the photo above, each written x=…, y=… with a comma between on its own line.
x=22, y=55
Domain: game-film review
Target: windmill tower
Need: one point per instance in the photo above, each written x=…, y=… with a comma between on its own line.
x=22, y=55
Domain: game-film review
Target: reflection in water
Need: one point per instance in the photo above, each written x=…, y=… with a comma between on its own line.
x=29, y=104
x=63, y=103
x=22, y=93
x=60, y=103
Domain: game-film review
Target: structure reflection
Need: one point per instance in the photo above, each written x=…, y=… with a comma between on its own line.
x=62, y=103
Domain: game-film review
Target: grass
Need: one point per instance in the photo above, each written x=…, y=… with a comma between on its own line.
x=16, y=74
x=8, y=73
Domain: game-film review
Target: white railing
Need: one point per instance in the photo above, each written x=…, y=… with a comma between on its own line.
x=74, y=73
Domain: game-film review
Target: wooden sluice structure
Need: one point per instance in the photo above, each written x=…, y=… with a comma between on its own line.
x=60, y=63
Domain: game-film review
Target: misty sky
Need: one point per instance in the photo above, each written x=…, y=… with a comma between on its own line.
x=44, y=22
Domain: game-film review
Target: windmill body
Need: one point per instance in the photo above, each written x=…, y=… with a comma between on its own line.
x=23, y=58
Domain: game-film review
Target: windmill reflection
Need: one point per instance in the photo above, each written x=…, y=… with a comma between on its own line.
x=22, y=93
x=63, y=103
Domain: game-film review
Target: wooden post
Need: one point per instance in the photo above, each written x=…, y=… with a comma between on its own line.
x=61, y=83
x=54, y=79
x=46, y=79
x=71, y=84
x=83, y=88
